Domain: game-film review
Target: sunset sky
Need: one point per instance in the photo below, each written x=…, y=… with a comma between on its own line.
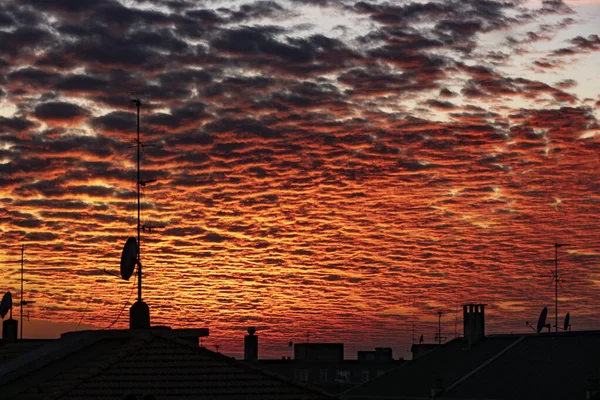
x=342, y=168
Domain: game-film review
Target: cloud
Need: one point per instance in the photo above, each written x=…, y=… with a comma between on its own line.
x=60, y=112
x=404, y=138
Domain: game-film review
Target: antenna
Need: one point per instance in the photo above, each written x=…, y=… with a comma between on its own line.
x=23, y=301
x=21, y=305
x=438, y=334
x=556, y=278
x=138, y=103
x=6, y=305
x=139, y=316
x=567, y=324
x=541, y=324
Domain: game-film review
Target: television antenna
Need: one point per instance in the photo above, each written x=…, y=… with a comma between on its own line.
x=438, y=334
x=131, y=254
x=557, y=279
x=23, y=301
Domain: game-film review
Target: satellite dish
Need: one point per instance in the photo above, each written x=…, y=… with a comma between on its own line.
x=129, y=258
x=567, y=322
x=542, y=320
x=6, y=304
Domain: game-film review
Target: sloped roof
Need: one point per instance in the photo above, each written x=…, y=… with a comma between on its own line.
x=538, y=367
x=443, y=365
x=547, y=366
x=147, y=363
x=10, y=351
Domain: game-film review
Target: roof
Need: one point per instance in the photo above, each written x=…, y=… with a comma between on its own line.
x=497, y=367
x=100, y=366
x=446, y=364
x=538, y=367
x=12, y=350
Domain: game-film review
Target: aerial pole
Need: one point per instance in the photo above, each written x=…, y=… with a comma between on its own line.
x=21, y=306
x=138, y=103
x=556, y=281
x=439, y=327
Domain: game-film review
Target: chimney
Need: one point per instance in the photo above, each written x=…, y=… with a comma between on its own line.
x=139, y=316
x=474, y=322
x=251, y=345
x=9, y=330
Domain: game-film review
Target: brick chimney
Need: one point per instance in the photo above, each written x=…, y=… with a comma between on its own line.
x=474, y=322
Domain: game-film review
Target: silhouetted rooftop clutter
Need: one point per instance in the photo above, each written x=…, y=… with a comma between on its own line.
x=323, y=365
x=561, y=365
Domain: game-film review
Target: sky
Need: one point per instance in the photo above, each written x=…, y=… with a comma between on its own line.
x=338, y=168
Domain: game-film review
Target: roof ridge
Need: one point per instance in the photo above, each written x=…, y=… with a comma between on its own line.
x=119, y=353
x=485, y=363
x=245, y=365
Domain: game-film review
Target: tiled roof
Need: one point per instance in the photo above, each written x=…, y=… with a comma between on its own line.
x=547, y=366
x=151, y=363
x=10, y=351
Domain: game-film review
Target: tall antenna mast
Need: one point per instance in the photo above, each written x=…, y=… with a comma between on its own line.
x=21, y=306
x=139, y=313
x=556, y=278
x=138, y=103
x=438, y=334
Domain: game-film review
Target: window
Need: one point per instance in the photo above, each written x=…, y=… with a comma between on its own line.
x=365, y=375
x=343, y=376
x=301, y=375
x=323, y=376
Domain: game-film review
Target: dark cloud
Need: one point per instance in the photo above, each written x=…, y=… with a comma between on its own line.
x=60, y=111
x=555, y=7
x=440, y=105
x=117, y=122
x=255, y=10
x=15, y=124
x=580, y=45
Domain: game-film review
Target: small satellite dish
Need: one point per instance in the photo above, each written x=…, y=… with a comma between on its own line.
x=542, y=320
x=5, y=304
x=567, y=322
x=129, y=258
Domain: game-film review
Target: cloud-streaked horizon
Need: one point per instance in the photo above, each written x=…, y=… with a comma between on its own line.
x=320, y=165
